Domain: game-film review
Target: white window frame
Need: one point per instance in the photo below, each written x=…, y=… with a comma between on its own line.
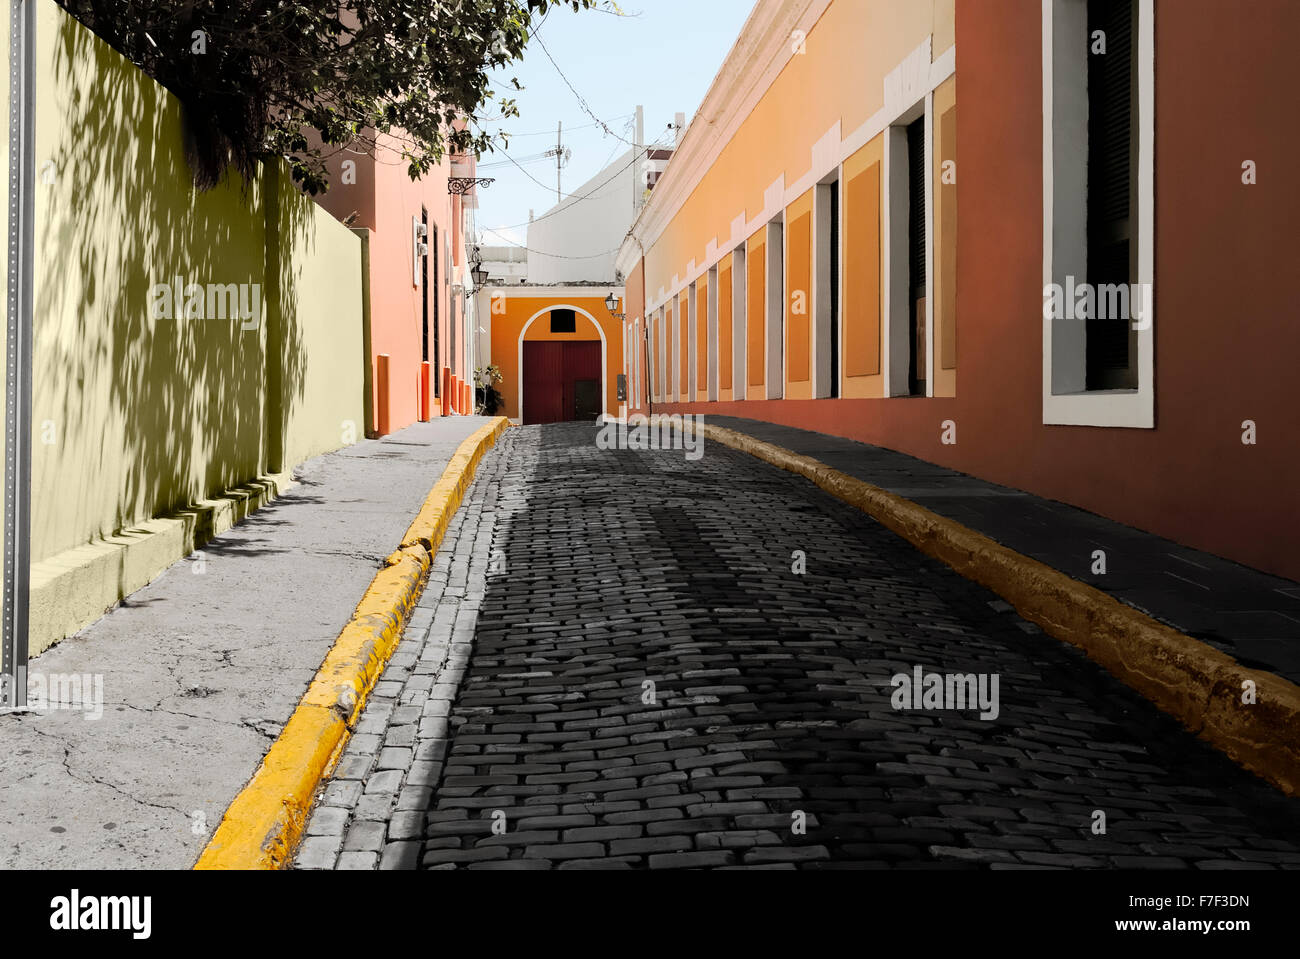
x=774, y=255
x=657, y=351
x=692, y=350
x=675, y=353
x=896, y=255
x=1065, y=156
x=711, y=334
x=826, y=379
x=739, y=324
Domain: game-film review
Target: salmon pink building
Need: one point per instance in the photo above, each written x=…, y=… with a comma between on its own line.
x=1043, y=242
x=419, y=323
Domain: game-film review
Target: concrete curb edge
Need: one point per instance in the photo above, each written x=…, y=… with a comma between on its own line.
x=264, y=823
x=1193, y=682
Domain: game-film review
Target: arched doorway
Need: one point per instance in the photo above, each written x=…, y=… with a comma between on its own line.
x=562, y=375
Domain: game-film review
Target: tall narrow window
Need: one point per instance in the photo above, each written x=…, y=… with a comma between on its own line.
x=916, y=370
x=424, y=288
x=436, y=292
x=453, y=320
x=835, y=288
x=1099, y=144
x=776, y=297
x=1112, y=170
x=451, y=308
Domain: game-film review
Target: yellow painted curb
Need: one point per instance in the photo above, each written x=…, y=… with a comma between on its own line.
x=1195, y=683
x=263, y=825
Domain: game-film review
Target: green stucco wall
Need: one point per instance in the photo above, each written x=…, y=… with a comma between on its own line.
x=134, y=415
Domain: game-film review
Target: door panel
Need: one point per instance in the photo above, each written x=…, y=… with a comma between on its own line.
x=586, y=400
x=543, y=376
x=557, y=381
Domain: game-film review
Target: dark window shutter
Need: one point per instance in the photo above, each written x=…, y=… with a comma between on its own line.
x=1110, y=115
x=835, y=287
x=916, y=207
x=435, y=291
x=1111, y=170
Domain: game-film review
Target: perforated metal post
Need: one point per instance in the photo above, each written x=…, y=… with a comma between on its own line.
x=18, y=353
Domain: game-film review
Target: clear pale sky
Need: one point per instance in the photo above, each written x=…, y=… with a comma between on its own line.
x=662, y=55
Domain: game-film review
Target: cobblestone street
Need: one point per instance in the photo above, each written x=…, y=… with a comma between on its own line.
x=633, y=660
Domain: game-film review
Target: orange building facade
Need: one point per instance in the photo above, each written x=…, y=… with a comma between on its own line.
x=560, y=351
x=999, y=237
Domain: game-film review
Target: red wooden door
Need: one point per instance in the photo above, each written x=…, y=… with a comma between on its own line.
x=551, y=370
x=543, y=383
x=581, y=362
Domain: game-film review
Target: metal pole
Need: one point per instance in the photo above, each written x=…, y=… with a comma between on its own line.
x=18, y=354
x=559, y=158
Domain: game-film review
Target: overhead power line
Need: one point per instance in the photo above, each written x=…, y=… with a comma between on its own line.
x=581, y=100
x=657, y=145
x=551, y=133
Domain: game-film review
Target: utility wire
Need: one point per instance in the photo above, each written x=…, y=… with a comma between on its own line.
x=577, y=198
x=581, y=102
x=551, y=133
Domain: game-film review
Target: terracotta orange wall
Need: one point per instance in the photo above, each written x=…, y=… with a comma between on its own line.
x=507, y=327
x=1225, y=333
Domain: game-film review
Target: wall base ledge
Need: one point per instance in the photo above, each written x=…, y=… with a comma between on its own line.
x=74, y=588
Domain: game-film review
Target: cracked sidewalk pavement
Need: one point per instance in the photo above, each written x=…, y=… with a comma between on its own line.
x=203, y=666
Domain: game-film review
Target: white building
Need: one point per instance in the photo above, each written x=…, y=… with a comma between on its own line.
x=578, y=240
x=587, y=228
x=505, y=265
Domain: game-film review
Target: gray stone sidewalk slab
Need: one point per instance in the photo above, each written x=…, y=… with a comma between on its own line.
x=201, y=668
x=1248, y=614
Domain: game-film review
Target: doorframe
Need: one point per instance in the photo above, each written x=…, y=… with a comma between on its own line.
x=604, y=360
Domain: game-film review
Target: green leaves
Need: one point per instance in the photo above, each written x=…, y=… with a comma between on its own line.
x=278, y=76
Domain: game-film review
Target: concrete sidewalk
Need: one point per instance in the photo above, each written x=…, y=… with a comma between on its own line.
x=202, y=667
x=1250, y=615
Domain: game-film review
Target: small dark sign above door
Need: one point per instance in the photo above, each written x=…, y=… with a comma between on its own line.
x=564, y=321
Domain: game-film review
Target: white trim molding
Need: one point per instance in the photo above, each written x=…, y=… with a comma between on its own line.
x=774, y=284
x=517, y=292
x=739, y=322
x=894, y=274
x=692, y=342
x=1066, y=402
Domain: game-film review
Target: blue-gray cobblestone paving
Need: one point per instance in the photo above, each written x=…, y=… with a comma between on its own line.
x=621, y=663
